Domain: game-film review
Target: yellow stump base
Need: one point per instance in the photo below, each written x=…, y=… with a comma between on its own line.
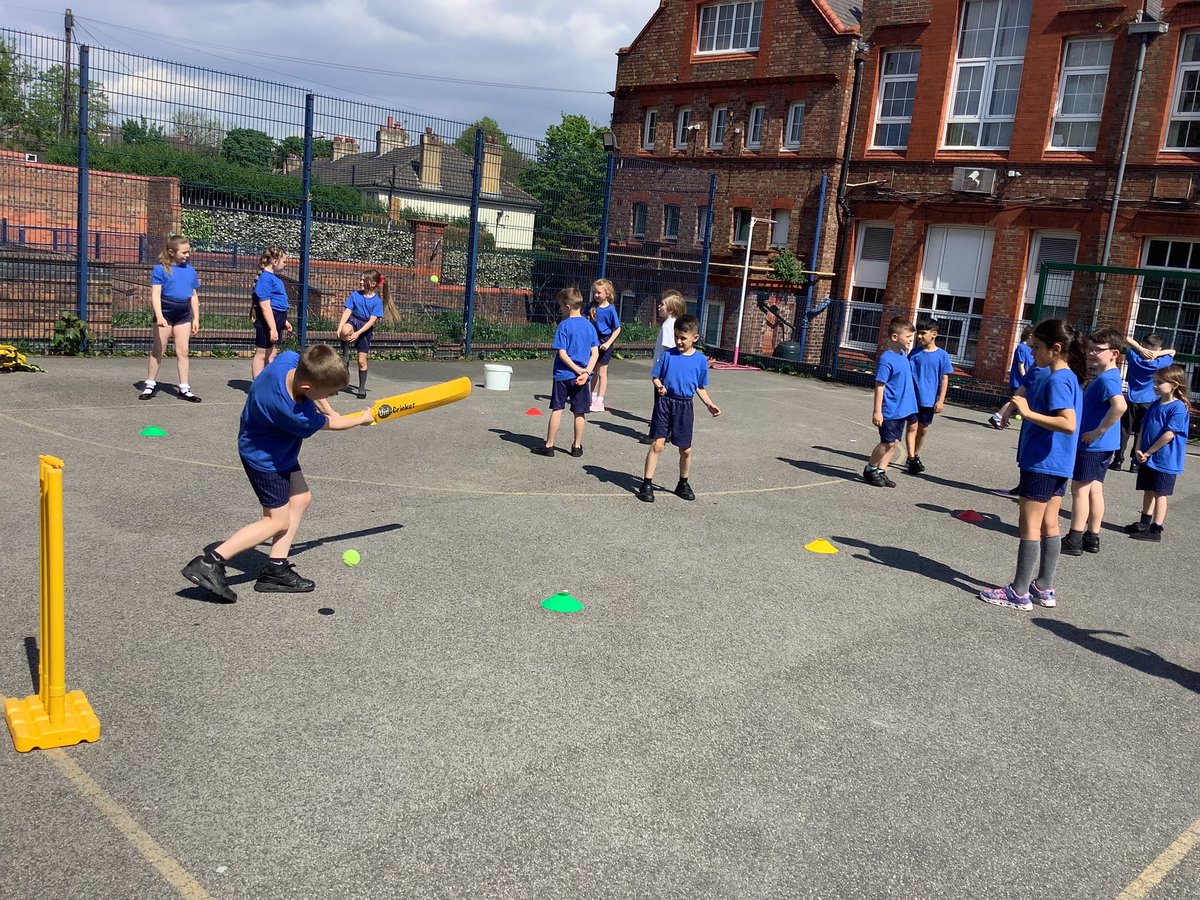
x=30, y=724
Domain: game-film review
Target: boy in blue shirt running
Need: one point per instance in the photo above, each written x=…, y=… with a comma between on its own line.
x=287, y=403
x=678, y=375
x=931, y=378
x=895, y=400
x=575, y=352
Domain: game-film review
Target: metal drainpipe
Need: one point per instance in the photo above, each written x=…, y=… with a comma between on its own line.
x=843, y=209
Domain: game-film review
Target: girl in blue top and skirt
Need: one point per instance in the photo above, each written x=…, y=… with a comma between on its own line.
x=1050, y=405
x=1161, y=450
x=176, y=308
x=363, y=309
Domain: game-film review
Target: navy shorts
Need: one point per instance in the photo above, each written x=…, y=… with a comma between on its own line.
x=262, y=334
x=177, y=312
x=673, y=419
x=578, y=396
x=362, y=343
x=893, y=429
x=1091, y=465
x=925, y=415
x=1149, y=479
x=1041, y=487
x=605, y=355
x=273, y=489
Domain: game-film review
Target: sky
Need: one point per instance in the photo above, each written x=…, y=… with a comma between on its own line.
x=566, y=49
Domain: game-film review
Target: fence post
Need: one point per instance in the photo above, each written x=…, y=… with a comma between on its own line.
x=81, y=199
x=473, y=244
x=706, y=255
x=306, y=219
x=609, y=170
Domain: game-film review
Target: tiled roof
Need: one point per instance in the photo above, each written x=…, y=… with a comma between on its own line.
x=848, y=12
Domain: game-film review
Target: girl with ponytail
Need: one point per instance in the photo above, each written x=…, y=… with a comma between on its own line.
x=364, y=307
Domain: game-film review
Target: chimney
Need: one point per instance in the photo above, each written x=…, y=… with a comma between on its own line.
x=344, y=146
x=492, y=157
x=391, y=136
x=431, y=160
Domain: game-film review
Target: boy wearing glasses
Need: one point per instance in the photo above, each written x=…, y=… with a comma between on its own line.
x=1099, y=437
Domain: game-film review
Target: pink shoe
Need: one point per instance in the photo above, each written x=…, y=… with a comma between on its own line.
x=1006, y=596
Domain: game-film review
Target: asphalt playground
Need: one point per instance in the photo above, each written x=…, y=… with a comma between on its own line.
x=730, y=715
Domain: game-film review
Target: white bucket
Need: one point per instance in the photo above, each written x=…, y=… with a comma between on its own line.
x=496, y=377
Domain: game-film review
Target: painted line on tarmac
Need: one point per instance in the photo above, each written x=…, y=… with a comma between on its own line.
x=165, y=864
x=1162, y=866
x=337, y=479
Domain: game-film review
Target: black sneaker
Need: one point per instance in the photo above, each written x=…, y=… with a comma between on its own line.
x=283, y=580
x=646, y=492
x=1133, y=465
x=871, y=476
x=577, y=452
x=542, y=450
x=210, y=576
x=1135, y=527
x=1117, y=464
x=684, y=491
x=1091, y=542
x=884, y=481
x=914, y=466
x=1072, y=544
x=1150, y=534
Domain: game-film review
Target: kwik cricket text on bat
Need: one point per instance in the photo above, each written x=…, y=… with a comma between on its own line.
x=398, y=405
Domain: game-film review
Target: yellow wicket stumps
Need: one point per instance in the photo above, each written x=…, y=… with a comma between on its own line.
x=52, y=717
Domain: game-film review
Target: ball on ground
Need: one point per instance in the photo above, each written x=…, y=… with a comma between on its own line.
x=351, y=558
x=434, y=279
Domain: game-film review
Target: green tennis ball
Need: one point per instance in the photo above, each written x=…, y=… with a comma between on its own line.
x=434, y=279
x=351, y=558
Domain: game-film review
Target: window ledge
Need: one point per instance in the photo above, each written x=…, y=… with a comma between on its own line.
x=724, y=56
x=887, y=153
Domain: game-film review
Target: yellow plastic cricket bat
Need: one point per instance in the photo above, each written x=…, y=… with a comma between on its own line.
x=388, y=408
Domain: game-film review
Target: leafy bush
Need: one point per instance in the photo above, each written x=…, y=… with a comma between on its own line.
x=70, y=335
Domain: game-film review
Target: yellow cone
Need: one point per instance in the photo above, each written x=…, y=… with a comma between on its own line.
x=820, y=546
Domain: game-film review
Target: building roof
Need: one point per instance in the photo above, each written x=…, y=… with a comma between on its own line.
x=376, y=171
x=843, y=15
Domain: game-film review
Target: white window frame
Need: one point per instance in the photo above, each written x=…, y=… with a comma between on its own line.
x=754, y=126
x=701, y=221
x=985, y=74
x=683, y=127
x=670, y=234
x=737, y=226
x=891, y=131
x=1057, y=296
x=718, y=125
x=864, y=312
x=781, y=227
x=793, y=128
x=1177, y=295
x=1069, y=120
x=644, y=209
x=717, y=25
x=1189, y=45
x=938, y=299
x=649, y=124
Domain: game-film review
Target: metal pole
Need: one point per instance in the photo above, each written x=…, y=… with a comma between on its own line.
x=737, y=342
x=64, y=128
x=802, y=313
x=609, y=171
x=843, y=239
x=306, y=219
x=706, y=255
x=81, y=198
x=473, y=243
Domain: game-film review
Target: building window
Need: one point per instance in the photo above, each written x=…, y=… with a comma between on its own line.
x=1171, y=306
x=1049, y=247
x=779, y=230
x=639, y=221
x=670, y=222
x=648, y=126
x=714, y=320
x=864, y=315
x=683, y=128
x=627, y=306
x=701, y=224
x=716, y=133
x=987, y=73
x=954, y=279
x=729, y=27
x=754, y=126
x=793, y=129
x=1081, y=94
x=741, y=225
x=1184, y=130
x=897, y=90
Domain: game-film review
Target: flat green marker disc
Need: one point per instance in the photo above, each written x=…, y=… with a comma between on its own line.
x=562, y=603
x=153, y=431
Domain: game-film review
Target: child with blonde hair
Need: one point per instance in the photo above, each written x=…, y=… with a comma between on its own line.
x=1162, y=443
x=176, y=308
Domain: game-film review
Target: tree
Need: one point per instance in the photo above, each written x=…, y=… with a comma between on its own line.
x=13, y=74
x=293, y=145
x=202, y=132
x=567, y=178
x=512, y=162
x=44, y=111
x=138, y=131
x=248, y=147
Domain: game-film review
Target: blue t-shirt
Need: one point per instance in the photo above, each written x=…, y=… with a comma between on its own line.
x=1159, y=419
x=364, y=307
x=1022, y=356
x=895, y=373
x=270, y=287
x=1140, y=375
x=929, y=367
x=273, y=424
x=1096, y=397
x=607, y=321
x=576, y=335
x=179, y=285
x=1040, y=449
x=682, y=374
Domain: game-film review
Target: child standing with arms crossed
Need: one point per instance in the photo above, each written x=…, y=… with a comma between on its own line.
x=287, y=404
x=268, y=309
x=678, y=375
x=1050, y=408
x=1099, y=434
x=931, y=378
x=608, y=327
x=1161, y=450
x=363, y=309
x=574, y=361
x=670, y=308
x=176, y=308
x=895, y=401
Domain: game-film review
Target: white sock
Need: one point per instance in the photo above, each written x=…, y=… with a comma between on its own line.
x=150, y=383
x=184, y=388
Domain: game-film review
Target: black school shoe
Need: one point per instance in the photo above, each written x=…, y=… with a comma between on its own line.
x=148, y=393
x=1072, y=544
x=210, y=576
x=283, y=580
x=914, y=466
x=542, y=450
x=1091, y=542
x=1150, y=534
x=684, y=491
x=1135, y=527
x=577, y=452
x=646, y=492
x=189, y=396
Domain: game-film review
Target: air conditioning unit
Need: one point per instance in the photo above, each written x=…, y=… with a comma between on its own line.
x=974, y=181
x=31, y=157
